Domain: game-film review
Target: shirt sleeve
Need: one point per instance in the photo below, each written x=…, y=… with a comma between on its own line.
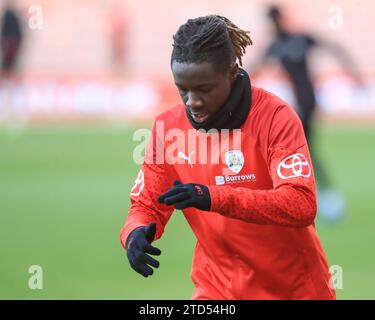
x=152, y=181
x=292, y=201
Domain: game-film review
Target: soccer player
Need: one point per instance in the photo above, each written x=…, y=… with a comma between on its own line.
x=292, y=50
x=10, y=38
x=253, y=210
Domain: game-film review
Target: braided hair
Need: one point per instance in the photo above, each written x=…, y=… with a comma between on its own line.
x=211, y=38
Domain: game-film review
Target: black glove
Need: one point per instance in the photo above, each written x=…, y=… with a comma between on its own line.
x=187, y=195
x=137, y=245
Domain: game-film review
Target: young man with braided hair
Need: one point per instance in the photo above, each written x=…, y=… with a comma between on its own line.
x=252, y=211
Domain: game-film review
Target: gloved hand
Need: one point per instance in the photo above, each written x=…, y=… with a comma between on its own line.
x=137, y=245
x=187, y=195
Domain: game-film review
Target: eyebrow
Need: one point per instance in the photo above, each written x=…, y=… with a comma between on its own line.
x=208, y=84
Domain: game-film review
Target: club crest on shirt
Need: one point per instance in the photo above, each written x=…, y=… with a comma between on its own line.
x=234, y=160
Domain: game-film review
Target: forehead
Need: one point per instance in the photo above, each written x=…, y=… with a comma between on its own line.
x=188, y=73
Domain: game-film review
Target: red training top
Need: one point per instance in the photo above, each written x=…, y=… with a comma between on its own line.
x=259, y=240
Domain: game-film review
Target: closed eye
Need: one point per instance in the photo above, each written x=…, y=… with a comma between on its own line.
x=204, y=90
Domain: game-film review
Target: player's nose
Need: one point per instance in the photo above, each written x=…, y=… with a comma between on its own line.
x=194, y=103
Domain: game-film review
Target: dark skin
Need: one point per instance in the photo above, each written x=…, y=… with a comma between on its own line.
x=202, y=87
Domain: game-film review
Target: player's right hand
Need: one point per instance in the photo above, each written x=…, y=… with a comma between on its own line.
x=138, y=244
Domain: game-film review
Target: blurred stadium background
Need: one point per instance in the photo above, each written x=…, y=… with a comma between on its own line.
x=89, y=74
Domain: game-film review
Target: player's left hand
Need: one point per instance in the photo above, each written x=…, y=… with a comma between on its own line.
x=184, y=195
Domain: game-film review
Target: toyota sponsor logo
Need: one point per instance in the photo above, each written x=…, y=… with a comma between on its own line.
x=294, y=166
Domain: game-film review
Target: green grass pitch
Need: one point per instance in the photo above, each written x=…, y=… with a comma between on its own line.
x=64, y=197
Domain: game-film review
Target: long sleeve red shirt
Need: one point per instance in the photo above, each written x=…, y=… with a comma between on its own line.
x=258, y=241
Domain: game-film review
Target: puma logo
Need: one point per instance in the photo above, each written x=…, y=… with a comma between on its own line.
x=182, y=155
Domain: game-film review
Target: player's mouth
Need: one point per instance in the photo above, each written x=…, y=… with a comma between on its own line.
x=199, y=117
